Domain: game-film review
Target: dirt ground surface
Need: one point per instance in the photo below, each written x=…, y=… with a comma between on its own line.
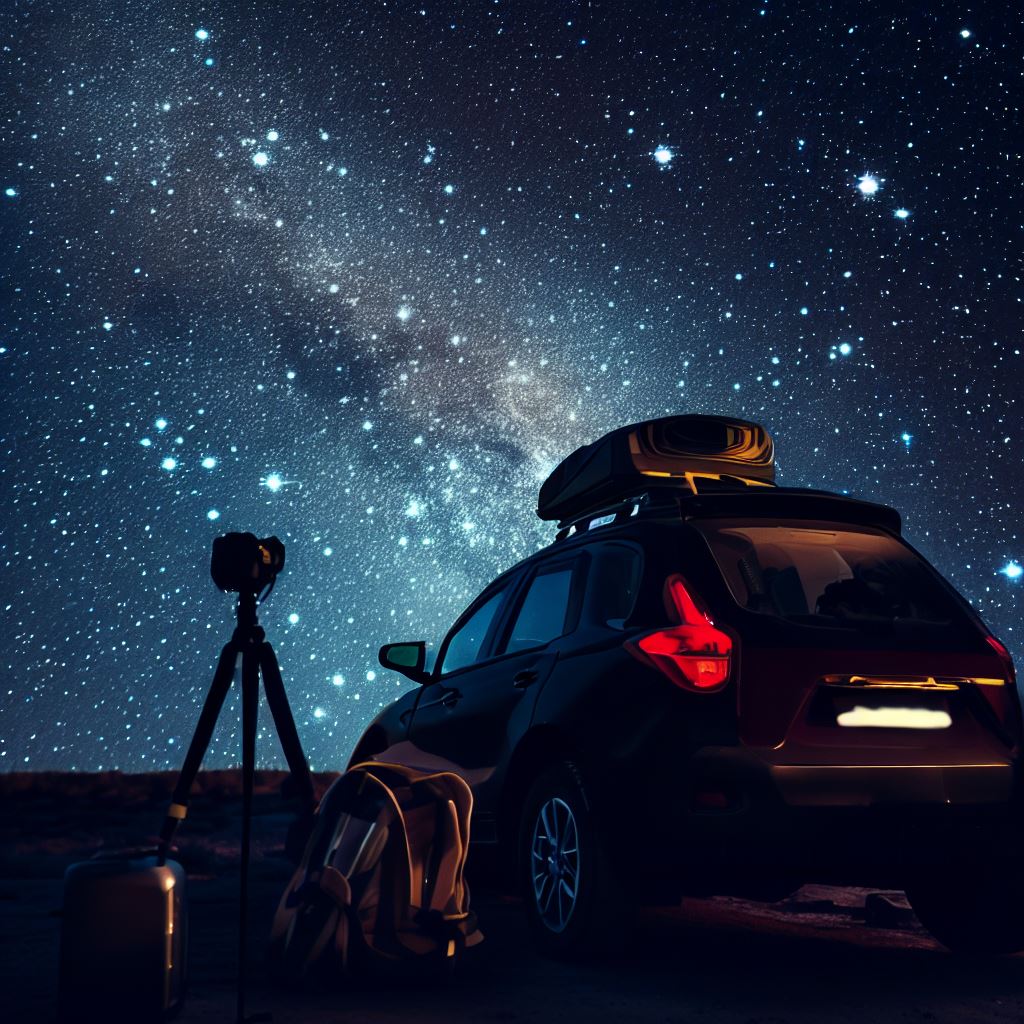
x=824, y=955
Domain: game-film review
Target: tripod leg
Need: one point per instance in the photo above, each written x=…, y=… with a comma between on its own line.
x=250, y=708
x=273, y=685
x=200, y=741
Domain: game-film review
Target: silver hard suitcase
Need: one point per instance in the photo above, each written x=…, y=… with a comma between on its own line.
x=124, y=939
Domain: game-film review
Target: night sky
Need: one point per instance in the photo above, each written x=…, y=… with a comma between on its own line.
x=360, y=274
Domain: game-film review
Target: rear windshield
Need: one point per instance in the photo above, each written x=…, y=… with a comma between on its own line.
x=830, y=574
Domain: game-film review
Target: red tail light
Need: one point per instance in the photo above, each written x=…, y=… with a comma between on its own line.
x=1004, y=657
x=695, y=655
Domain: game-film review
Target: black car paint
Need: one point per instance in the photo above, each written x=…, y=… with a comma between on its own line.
x=643, y=744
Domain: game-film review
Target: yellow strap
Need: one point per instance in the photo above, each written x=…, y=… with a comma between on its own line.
x=177, y=811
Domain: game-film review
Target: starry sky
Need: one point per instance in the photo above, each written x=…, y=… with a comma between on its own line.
x=360, y=274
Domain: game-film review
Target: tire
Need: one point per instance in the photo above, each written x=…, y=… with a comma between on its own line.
x=575, y=909
x=975, y=911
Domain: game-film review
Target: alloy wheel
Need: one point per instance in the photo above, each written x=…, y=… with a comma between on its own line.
x=555, y=863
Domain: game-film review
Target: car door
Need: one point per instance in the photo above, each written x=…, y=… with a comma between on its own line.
x=482, y=695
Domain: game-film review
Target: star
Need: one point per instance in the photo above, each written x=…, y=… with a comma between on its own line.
x=202, y=35
x=261, y=159
x=663, y=156
x=1012, y=570
x=273, y=482
x=901, y=213
x=868, y=184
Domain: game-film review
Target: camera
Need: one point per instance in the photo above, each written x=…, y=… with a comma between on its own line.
x=245, y=563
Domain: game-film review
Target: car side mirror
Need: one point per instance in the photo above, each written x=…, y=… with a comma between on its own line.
x=409, y=659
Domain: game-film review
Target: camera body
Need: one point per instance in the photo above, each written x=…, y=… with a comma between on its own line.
x=244, y=563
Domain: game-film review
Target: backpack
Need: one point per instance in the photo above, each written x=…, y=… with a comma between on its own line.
x=380, y=887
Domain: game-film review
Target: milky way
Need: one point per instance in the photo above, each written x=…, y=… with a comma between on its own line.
x=360, y=275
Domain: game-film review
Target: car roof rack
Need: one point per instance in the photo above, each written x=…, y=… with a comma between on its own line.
x=739, y=499
x=665, y=496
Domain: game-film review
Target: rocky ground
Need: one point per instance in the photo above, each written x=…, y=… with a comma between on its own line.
x=825, y=955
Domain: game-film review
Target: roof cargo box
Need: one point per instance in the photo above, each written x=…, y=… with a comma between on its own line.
x=671, y=452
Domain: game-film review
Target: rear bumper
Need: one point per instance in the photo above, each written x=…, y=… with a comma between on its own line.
x=742, y=817
x=871, y=785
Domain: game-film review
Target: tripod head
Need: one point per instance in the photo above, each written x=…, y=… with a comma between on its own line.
x=246, y=611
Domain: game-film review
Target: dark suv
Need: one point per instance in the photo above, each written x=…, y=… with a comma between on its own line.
x=720, y=686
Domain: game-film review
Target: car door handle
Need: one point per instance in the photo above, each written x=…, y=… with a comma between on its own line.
x=447, y=700
x=521, y=680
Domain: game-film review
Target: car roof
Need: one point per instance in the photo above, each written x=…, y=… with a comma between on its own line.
x=662, y=509
x=755, y=502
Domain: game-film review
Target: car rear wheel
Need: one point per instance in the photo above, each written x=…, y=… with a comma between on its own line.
x=572, y=902
x=980, y=911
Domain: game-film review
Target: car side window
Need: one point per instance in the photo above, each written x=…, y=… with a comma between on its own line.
x=617, y=583
x=542, y=615
x=466, y=643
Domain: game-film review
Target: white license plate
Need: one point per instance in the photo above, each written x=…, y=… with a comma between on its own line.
x=860, y=717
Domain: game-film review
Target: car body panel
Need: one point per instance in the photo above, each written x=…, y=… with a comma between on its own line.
x=794, y=767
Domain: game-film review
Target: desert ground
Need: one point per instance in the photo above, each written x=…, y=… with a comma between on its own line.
x=824, y=955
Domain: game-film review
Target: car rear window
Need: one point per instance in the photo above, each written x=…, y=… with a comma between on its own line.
x=830, y=574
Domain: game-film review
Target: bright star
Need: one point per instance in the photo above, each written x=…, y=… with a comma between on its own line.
x=209, y=462
x=868, y=184
x=449, y=189
x=663, y=155
x=161, y=424
x=274, y=482
x=10, y=192
x=906, y=438
x=272, y=136
x=845, y=348
x=338, y=679
x=965, y=33
x=1012, y=570
x=404, y=313
x=260, y=159
x=169, y=464
x=202, y=35
x=319, y=712
x=901, y=213
x=293, y=618
x=212, y=515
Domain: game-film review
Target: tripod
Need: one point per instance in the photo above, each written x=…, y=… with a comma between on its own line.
x=249, y=650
